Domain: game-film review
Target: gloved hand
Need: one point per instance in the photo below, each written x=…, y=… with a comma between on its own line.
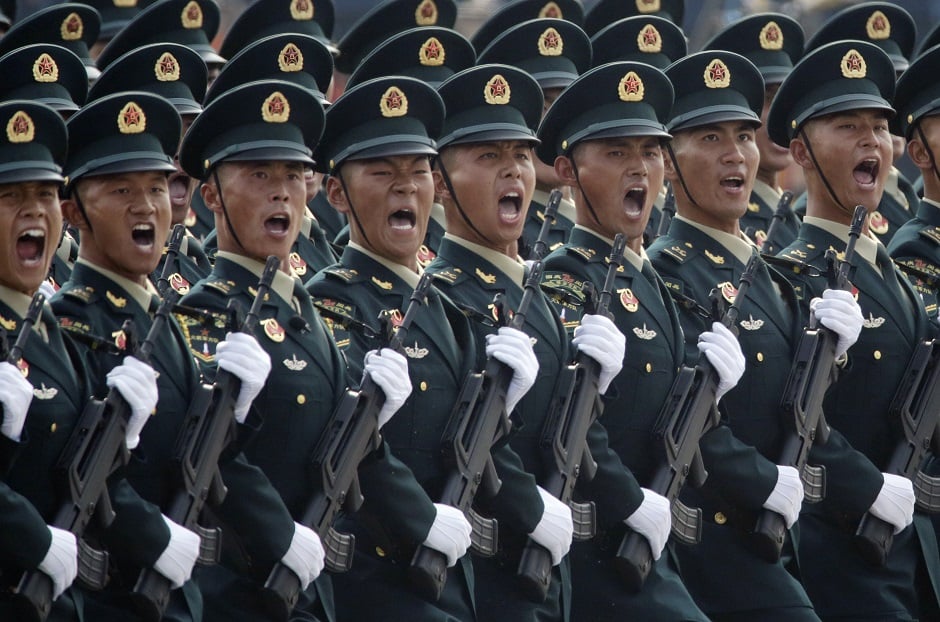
x=723, y=351
x=305, y=556
x=137, y=383
x=389, y=370
x=242, y=356
x=514, y=348
x=16, y=393
x=449, y=533
x=838, y=311
x=178, y=558
x=786, y=498
x=895, y=502
x=555, y=528
x=61, y=560
x=653, y=521
x=599, y=338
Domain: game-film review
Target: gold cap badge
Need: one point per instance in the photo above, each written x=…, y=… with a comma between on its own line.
x=20, y=128
x=631, y=88
x=431, y=53
x=45, y=69
x=647, y=6
x=551, y=10
x=191, y=18
x=131, y=119
x=301, y=10
x=550, y=43
x=648, y=40
x=878, y=27
x=125, y=4
x=167, y=68
x=290, y=59
x=853, y=65
x=276, y=108
x=717, y=75
x=496, y=91
x=393, y=103
x=72, y=27
x=771, y=37
x=426, y=13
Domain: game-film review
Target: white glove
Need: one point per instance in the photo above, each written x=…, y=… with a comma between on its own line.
x=16, y=393
x=514, y=348
x=555, y=528
x=652, y=520
x=47, y=289
x=61, y=560
x=449, y=533
x=723, y=351
x=137, y=383
x=895, y=502
x=838, y=311
x=177, y=560
x=389, y=371
x=599, y=338
x=305, y=557
x=786, y=498
x=242, y=356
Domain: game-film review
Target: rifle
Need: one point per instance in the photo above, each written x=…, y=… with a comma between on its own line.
x=688, y=414
x=352, y=435
x=780, y=214
x=94, y=451
x=668, y=212
x=811, y=374
x=172, y=258
x=574, y=409
x=207, y=430
x=478, y=420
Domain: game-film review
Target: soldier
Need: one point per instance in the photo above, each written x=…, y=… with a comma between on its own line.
x=517, y=11
x=115, y=14
x=249, y=147
x=773, y=42
x=712, y=163
x=833, y=112
x=616, y=147
x=606, y=12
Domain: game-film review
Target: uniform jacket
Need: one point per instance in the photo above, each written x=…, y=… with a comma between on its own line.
x=757, y=220
x=916, y=249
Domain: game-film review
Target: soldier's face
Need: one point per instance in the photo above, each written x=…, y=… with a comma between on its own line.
x=545, y=173
x=718, y=164
x=493, y=184
x=773, y=157
x=388, y=205
x=129, y=218
x=619, y=178
x=30, y=215
x=264, y=202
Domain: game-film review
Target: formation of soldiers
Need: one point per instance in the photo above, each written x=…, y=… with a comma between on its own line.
x=637, y=423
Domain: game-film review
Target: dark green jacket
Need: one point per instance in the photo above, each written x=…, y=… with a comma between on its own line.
x=916, y=249
x=756, y=222
x=558, y=231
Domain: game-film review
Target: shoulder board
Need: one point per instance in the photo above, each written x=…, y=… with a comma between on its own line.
x=581, y=251
x=931, y=233
x=919, y=271
x=344, y=274
x=787, y=263
x=84, y=293
x=678, y=252
x=801, y=252
x=450, y=275
x=222, y=285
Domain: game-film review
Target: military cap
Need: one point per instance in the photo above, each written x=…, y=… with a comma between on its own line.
x=490, y=102
x=395, y=115
x=34, y=144
x=71, y=25
x=7, y=12
x=642, y=39
x=115, y=14
x=386, y=19
x=292, y=57
x=886, y=25
x=553, y=51
x=627, y=99
x=843, y=75
x=263, y=120
x=427, y=53
x=917, y=94
x=47, y=73
x=170, y=70
x=608, y=11
x=714, y=86
x=122, y=133
x=275, y=17
x=518, y=11
x=192, y=23
x=772, y=41
x=931, y=39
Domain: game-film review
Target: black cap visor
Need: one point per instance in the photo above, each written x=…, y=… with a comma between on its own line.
x=712, y=115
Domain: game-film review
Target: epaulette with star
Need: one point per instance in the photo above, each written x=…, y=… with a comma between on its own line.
x=83, y=293
x=791, y=263
x=451, y=275
x=801, y=252
x=346, y=275
x=931, y=233
x=581, y=251
x=222, y=285
x=679, y=252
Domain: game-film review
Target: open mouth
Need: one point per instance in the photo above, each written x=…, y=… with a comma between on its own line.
x=179, y=189
x=510, y=204
x=31, y=245
x=866, y=172
x=277, y=224
x=633, y=201
x=144, y=234
x=402, y=220
x=732, y=183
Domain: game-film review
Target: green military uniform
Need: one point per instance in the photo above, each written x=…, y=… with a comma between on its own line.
x=72, y=25
x=331, y=222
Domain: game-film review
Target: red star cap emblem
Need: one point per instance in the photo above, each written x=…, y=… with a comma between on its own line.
x=167, y=66
x=276, y=106
x=45, y=65
x=854, y=62
x=632, y=84
x=74, y=24
x=432, y=49
x=291, y=57
x=717, y=72
x=132, y=116
x=20, y=125
x=498, y=87
x=393, y=100
x=773, y=34
x=879, y=23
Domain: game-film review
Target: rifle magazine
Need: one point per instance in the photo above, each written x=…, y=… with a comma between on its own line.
x=584, y=517
x=814, y=483
x=210, y=545
x=339, y=549
x=686, y=523
x=927, y=492
x=92, y=567
x=484, y=535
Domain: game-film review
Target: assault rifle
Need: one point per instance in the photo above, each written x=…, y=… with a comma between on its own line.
x=478, y=420
x=668, y=212
x=574, y=409
x=172, y=257
x=352, y=435
x=812, y=372
x=688, y=413
x=780, y=215
x=95, y=450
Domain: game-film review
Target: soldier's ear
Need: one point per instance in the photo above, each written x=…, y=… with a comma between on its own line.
x=669, y=166
x=336, y=195
x=210, y=196
x=800, y=154
x=919, y=154
x=565, y=171
x=71, y=213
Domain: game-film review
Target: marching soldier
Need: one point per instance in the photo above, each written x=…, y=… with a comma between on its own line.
x=115, y=14
x=606, y=12
x=515, y=12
